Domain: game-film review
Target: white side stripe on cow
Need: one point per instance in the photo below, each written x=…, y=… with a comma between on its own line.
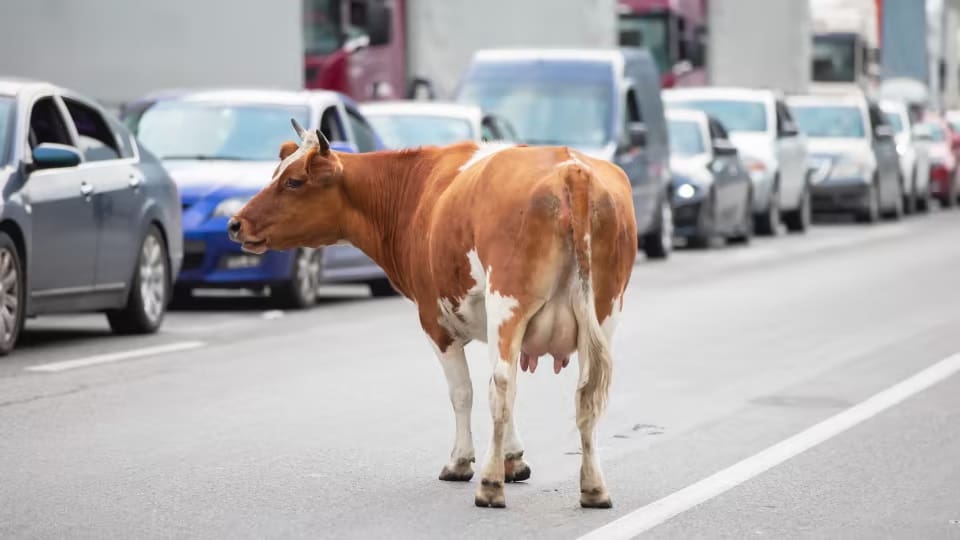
x=484, y=151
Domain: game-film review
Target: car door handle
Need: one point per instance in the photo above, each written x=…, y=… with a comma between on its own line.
x=86, y=189
x=135, y=181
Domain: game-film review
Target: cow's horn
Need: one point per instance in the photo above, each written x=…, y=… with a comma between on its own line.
x=297, y=127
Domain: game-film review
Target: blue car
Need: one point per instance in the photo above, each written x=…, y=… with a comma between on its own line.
x=221, y=146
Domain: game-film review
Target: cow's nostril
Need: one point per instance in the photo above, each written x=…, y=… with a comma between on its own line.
x=233, y=226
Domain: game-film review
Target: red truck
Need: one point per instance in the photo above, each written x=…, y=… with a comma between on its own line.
x=674, y=31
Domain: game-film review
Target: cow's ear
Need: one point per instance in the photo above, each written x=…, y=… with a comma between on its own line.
x=288, y=148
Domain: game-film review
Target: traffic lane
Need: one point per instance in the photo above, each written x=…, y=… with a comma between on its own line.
x=894, y=476
x=282, y=431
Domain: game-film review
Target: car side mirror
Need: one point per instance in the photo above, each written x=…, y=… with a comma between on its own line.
x=55, y=156
x=723, y=147
x=343, y=146
x=636, y=134
x=883, y=132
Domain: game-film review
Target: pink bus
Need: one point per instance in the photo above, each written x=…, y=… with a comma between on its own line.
x=675, y=31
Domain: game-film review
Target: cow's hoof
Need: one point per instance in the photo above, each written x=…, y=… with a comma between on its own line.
x=595, y=498
x=461, y=471
x=516, y=469
x=490, y=494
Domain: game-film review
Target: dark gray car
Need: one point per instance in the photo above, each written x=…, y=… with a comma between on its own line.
x=89, y=221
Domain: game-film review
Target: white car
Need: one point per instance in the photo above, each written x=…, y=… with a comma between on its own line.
x=408, y=124
x=914, y=156
x=773, y=150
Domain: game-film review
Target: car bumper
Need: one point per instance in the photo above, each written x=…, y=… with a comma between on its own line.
x=686, y=217
x=841, y=195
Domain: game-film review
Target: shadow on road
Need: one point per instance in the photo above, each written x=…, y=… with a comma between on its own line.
x=45, y=337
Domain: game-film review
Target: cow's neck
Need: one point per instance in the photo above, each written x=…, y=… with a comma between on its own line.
x=382, y=191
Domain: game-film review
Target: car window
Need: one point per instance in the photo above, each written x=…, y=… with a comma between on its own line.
x=736, y=115
x=330, y=125
x=366, y=139
x=633, y=109
x=96, y=140
x=685, y=137
x=829, y=121
x=8, y=113
x=783, y=118
x=47, y=125
x=876, y=119
x=717, y=131
x=894, y=120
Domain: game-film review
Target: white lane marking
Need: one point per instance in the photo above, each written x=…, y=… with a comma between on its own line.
x=64, y=365
x=272, y=314
x=647, y=517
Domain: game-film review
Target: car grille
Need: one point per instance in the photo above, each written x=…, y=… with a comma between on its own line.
x=193, y=252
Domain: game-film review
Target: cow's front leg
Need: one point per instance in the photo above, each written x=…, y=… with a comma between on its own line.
x=454, y=363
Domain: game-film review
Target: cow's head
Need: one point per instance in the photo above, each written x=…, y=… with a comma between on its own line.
x=301, y=205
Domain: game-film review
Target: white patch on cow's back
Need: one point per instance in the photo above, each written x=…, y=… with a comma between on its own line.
x=484, y=151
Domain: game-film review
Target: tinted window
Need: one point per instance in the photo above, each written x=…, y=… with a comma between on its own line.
x=552, y=103
x=407, y=130
x=330, y=125
x=321, y=34
x=734, y=115
x=834, y=59
x=96, y=140
x=366, y=139
x=46, y=124
x=686, y=137
x=651, y=32
x=844, y=121
x=8, y=111
x=894, y=120
x=196, y=130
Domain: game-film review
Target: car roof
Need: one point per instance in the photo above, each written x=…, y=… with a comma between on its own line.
x=893, y=105
x=248, y=96
x=12, y=86
x=721, y=93
x=426, y=108
x=525, y=55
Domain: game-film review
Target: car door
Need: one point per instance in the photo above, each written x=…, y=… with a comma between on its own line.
x=885, y=150
x=634, y=161
x=791, y=154
x=63, y=250
x=726, y=177
x=118, y=195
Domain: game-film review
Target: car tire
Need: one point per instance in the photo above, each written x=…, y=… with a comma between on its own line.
x=768, y=223
x=149, y=289
x=381, y=287
x=300, y=291
x=871, y=214
x=924, y=201
x=658, y=244
x=746, y=224
x=895, y=212
x=799, y=220
x=911, y=198
x=12, y=294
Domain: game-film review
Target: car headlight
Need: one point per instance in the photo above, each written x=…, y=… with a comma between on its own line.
x=849, y=169
x=902, y=149
x=228, y=207
x=686, y=191
x=756, y=168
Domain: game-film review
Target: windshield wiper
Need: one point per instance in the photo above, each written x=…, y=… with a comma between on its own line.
x=202, y=157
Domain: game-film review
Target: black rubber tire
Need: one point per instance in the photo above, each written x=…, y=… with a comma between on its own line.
x=131, y=319
x=896, y=213
x=289, y=295
x=872, y=213
x=768, y=223
x=182, y=297
x=380, y=288
x=746, y=225
x=8, y=341
x=654, y=244
x=798, y=221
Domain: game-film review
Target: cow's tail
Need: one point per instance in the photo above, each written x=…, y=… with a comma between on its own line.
x=593, y=351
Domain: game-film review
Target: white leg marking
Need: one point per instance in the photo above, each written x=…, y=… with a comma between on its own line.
x=454, y=363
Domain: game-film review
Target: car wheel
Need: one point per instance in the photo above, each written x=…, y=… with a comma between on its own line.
x=911, y=198
x=925, y=199
x=12, y=295
x=149, y=289
x=871, y=214
x=381, y=287
x=746, y=224
x=301, y=290
x=658, y=244
x=768, y=223
x=799, y=220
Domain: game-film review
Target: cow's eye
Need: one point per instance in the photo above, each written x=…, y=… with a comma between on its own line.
x=293, y=183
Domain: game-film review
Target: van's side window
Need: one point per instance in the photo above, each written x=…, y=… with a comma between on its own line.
x=633, y=108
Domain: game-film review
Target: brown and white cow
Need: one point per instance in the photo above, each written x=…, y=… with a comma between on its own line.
x=526, y=248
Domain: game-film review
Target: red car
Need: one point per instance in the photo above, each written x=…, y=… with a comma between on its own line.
x=943, y=159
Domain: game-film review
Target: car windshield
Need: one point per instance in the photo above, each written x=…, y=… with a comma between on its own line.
x=193, y=130
x=734, y=115
x=410, y=130
x=551, y=103
x=7, y=113
x=833, y=59
x=936, y=131
x=686, y=137
x=894, y=120
x=650, y=31
x=829, y=121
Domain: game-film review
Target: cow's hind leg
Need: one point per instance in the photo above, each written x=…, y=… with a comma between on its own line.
x=514, y=467
x=454, y=363
x=506, y=322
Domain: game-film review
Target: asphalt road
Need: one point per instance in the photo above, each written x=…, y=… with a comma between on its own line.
x=241, y=422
